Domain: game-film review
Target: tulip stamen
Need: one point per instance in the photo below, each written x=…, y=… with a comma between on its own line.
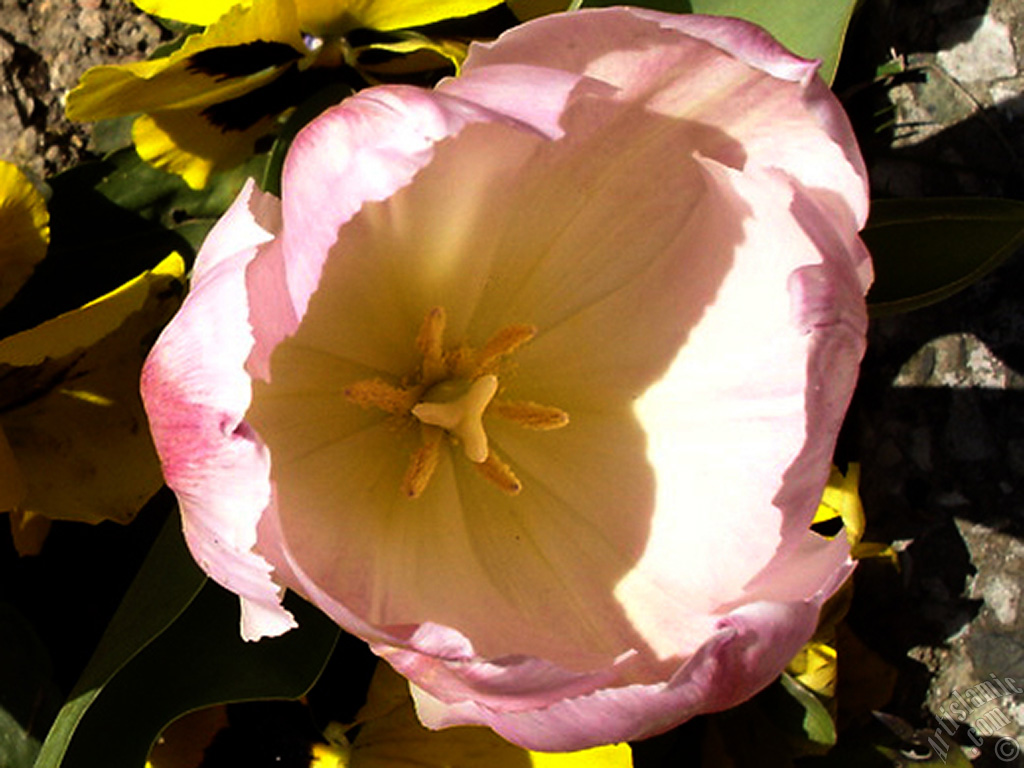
x=423, y=462
x=529, y=415
x=449, y=393
x=430, y=344
x=504, y=342
x=500, y=474
x=377, y=393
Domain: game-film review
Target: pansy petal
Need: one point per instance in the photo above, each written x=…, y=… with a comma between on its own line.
x=12, y=482
x=28, y=532
x=201, y=12
x=243, y=51
x=324, y=17
x=212, y=460
x=389, y=61
x=26, y=227
x=186, y=143
x=530, y=9
x=70, y=405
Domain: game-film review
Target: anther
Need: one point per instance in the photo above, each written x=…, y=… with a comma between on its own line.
x=377, y=393
x=430, y=344
x=423, y=462
x=529, y=415
x=500, y=474
x=504, y=342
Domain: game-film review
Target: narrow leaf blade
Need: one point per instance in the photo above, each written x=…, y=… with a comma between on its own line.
x=926, y=250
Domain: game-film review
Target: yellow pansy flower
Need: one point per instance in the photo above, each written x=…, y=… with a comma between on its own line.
x=390, y=735
x=25, y=224
x=205, y=107
x=841, y=500
x=326, y=17
x=73, y=444
x=815, y=666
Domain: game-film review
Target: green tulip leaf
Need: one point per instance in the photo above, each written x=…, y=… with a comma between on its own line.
x=814, y=29
x=926, y=250
x=783, y=723
x=167, y=582
x=817, y=724
x=28, y=696
x=164, y=197
x=198, y=660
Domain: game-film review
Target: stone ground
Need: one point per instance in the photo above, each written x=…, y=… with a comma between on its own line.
x=938, y=421
x=45, y=45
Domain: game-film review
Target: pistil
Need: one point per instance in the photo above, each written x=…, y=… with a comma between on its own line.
x=449, y=394
x=463, y=416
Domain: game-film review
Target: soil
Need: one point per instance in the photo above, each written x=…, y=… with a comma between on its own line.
x=45, y=46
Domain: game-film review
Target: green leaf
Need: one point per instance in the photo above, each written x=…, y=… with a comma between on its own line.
x=141, y=683
x=167, y=582
x=814, y=29
x=18, y=747
x=28, y=697
x=165, y=198
x=817, y=723
x=783, y=723
x=925, y=250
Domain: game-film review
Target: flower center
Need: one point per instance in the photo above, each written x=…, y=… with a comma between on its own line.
x=462, y=416
x=449, y=394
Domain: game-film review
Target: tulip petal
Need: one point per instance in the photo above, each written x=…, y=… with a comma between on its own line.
x=363, y=150
x=390, y=735
x=321, y=454
x=196, y=393
x=670, y=224
x=750, y=398
x=744, y=654
x=566, y=277
x=722, y=72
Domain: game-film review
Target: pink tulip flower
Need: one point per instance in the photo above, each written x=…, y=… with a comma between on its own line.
x=533, y=380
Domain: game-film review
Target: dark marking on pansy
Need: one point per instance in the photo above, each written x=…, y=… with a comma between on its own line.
x=828, y=528
x=289, y=89
x=227, y=61
x=485, y=25
x=243, y=112
x=361, y=37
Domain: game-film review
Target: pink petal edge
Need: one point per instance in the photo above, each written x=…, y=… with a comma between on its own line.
x=196, y=393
